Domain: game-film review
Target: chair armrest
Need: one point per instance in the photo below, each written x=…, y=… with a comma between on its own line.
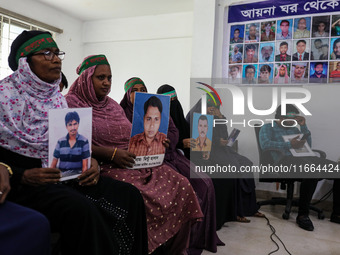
x=322, y=154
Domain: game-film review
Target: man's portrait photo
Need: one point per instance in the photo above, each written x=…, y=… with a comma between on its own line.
x=267, y=52
x=150, y=124
x=283, y=51
x=265, y=74
x=202, y=131
x=282, y=73
x=268, y=31
x=72, y=151
x=320, y=49
x=235, y=53
x=335, y=48
x=251, y=53
x=301, y=48
x=284, y=29
x=236, y=34
x=320, y=26
x=335, y=27
x=301, y=27
x=234, y=74
x=252, y=32
x=318, y=72
x=249, y=74
x=299, y=72
x=334, y=72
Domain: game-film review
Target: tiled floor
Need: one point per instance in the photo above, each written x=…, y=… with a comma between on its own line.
x=254, y=238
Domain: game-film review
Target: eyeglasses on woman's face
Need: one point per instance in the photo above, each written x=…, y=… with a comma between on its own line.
x=48, y=54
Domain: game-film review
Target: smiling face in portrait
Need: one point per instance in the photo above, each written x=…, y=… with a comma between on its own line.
x=47, y=70
x=152, y=121
x=137, y=88
x=202, y=128
x=101, y=79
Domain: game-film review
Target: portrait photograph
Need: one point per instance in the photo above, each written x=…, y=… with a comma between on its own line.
x=237, y=34
x=268, y=31
x=252, y=32
x=249, y=74
x=301, y=49
x=302, y=27
x=265, y=74
x=250, y=54
x=335, y=25
x=202, y=131
x=334, y=71
x=69, y=143
x=283, y=51
x=235, y=53
x=320, y=26
x=320, y=49
x=318, y=72
x=149, y=129
x=335, y=48
x=235, y=74
x=300, y=72
x=266, y=52
x=284, y=29
x=282, y=73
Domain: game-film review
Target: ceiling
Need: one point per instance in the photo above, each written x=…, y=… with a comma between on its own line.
x=87, y=10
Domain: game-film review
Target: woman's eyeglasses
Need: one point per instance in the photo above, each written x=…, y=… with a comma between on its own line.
x=50, y=54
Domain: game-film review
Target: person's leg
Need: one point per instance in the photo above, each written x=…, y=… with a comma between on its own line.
x=81, y=226
x=23, y=231
x=307, y=189
x=335, y=217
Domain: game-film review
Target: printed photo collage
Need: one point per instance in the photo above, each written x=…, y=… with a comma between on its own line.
x=285, y=51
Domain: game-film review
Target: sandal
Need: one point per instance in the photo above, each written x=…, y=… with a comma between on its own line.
x=242, y=219
x=260, y=215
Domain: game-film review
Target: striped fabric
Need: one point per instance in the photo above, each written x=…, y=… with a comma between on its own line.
x=71, y=158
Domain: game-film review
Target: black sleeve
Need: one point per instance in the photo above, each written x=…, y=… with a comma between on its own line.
x=18, y=163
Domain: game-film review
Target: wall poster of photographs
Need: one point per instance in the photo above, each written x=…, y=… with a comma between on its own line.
x=282, y=42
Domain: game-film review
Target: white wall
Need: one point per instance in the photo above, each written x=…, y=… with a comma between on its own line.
x=155, y=48
x=207, y=62
x=69, y=41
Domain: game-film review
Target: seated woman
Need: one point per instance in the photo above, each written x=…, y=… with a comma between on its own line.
x=235, y=198
x=203, y=234
x=20, y=225
x=93, y=215
x=171, y=204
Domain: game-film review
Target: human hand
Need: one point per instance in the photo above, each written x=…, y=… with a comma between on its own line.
x=166, y=143
x=223, y=142
x=124, y=159
x=300, y=120
x=297, y=144
x=214, y=111
x=91, y=175
x=41, y=176
x=189, y=143
x=5, y=186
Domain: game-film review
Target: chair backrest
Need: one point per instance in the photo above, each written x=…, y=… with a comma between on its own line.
x=263, y=159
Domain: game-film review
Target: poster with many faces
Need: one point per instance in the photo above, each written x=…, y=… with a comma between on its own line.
x=282, y=42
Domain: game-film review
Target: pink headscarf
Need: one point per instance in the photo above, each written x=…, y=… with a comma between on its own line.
x=107, y=113
x=277, y=77
x=25, y=101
